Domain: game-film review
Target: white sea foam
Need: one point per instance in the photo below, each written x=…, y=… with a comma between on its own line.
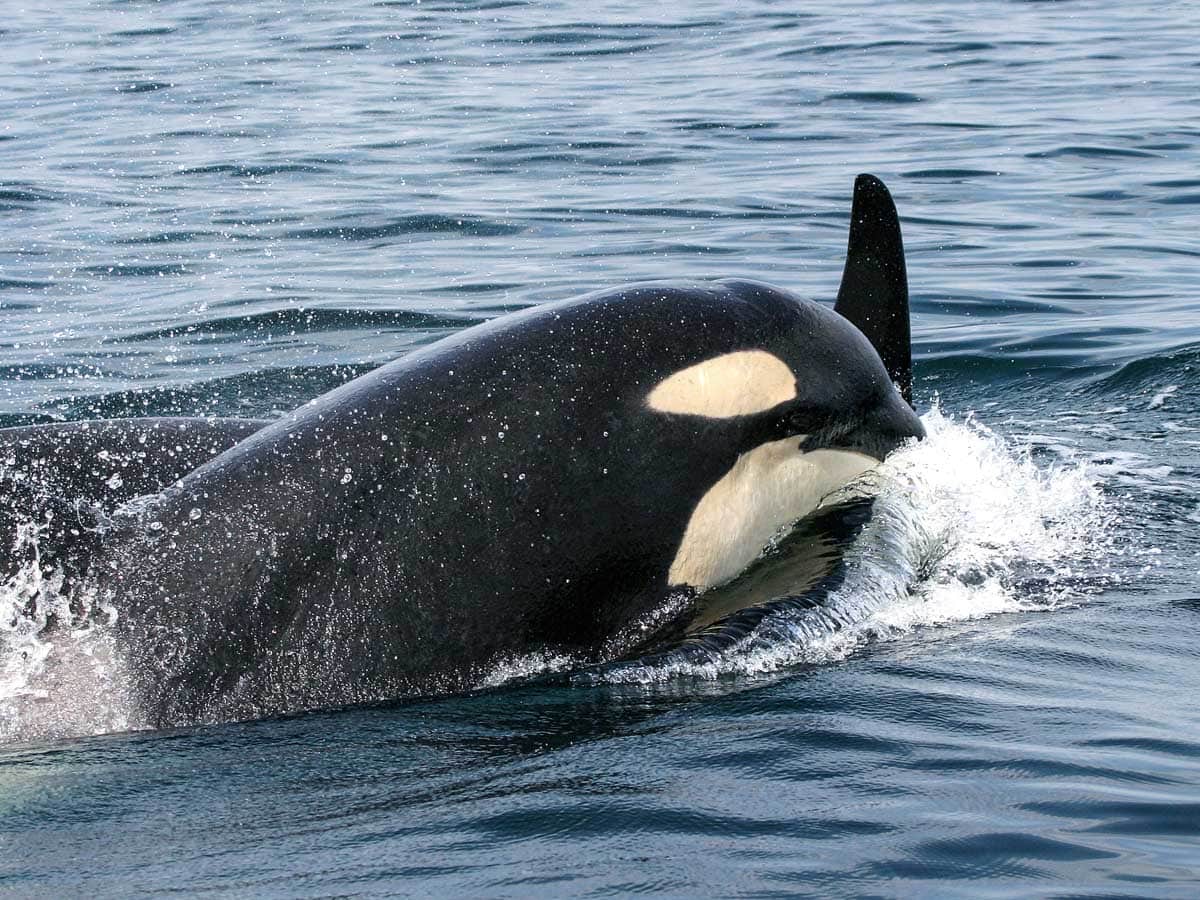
x=517, y=668
x=1160, y=397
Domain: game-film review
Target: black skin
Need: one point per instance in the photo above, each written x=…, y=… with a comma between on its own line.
x=267, y=581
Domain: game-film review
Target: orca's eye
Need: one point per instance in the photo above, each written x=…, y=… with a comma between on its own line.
x=808, y=420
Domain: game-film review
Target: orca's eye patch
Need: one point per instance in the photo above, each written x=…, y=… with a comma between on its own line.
x=732, y=384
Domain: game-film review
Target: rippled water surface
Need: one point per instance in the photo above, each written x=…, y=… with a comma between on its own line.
x=211, y=209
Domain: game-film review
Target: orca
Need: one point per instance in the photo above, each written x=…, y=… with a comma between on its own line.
x=572, y=478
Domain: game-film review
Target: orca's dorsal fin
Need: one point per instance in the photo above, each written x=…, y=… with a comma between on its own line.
x=874, y=291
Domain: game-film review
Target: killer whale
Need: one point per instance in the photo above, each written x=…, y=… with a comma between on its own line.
x=570, y=477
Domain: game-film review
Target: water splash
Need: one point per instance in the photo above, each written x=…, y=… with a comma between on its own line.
x=60, y=672
x=524, y=667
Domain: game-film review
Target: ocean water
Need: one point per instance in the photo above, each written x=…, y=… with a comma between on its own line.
x=227, y=209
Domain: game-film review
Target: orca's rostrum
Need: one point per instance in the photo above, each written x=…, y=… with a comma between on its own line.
x=544, y=481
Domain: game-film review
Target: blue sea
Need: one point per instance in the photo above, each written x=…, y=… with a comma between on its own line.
x=226, y=209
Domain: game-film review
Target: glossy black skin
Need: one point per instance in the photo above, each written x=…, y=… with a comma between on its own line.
x=268, y=581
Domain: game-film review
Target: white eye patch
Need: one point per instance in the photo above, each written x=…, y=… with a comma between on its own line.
x=733, y=384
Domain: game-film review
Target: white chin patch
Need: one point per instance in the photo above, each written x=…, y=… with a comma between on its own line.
x=768, y=488
x=733, y=384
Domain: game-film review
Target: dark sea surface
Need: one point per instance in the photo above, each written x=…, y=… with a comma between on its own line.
x=227, y=209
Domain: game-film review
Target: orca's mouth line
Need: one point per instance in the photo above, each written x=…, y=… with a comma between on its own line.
x=846, y=438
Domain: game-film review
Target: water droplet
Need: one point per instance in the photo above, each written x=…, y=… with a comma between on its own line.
x=194, y=513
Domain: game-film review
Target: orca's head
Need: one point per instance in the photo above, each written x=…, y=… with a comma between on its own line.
x=798, y=406
x=815, y=396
